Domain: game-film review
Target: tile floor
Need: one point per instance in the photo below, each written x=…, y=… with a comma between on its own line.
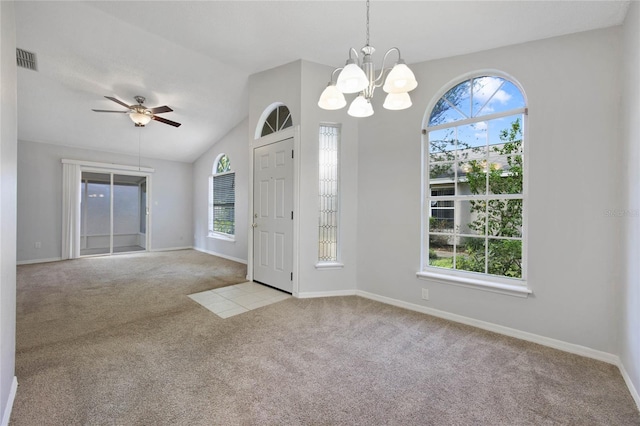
x=236, y=299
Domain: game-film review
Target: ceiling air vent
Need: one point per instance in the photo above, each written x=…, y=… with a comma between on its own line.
x=26, y=59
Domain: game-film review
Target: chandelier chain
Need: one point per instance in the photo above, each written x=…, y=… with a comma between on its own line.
x=367, y=23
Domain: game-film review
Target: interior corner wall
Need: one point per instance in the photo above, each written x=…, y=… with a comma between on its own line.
x=298, y=85
x=312, y=279
x=280, y=84
x=40, y=198
x=235, y=146
x=8, y=153
x=572, y=87
x=630, y=113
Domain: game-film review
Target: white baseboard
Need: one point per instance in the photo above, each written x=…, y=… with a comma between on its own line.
x=312, y=294
x=224, y=256
x=9, y=405
x=523, y=335
x=32, y=261
x=627, y=380
x=172, y=248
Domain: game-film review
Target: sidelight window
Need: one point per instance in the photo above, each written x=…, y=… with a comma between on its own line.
x=329, y=195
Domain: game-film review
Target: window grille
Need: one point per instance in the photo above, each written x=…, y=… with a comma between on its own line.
x=278, y=119
x=328, y=191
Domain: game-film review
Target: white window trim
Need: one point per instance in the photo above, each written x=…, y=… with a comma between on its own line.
x=210, y=232
x=329, y=265
x=108, y=166
x=335, y=264
x=221, y=236
x=498, y=286
x=479, y=281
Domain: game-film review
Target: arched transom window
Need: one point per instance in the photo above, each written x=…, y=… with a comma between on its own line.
x=278, y=119
x=474, y=173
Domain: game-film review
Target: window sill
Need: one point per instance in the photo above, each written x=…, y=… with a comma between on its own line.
x=476, y=283
x=223, y=237
x=329, y=265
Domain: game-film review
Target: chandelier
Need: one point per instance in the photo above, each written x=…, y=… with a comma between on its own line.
x=359, y=76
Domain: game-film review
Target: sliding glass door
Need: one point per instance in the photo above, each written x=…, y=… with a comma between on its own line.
x=114, y=213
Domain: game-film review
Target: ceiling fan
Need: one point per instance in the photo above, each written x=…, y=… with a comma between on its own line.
x=140, y=114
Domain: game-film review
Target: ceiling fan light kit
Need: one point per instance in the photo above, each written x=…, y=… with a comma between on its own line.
x=140, y=119
x=358, y=76
x=141, y=115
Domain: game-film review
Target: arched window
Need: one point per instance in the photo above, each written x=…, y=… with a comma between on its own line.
x=278, y=119
x=475, y=169
x=222, y=198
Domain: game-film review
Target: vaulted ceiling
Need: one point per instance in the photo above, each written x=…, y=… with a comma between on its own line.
x=196, y=56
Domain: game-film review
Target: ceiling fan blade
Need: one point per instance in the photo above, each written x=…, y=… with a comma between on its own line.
x=160, y=109
x=165, y=121
x=118, y=101
x=105, y=110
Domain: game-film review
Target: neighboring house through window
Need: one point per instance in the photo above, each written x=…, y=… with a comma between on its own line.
x=474, y=173
x=222, y=199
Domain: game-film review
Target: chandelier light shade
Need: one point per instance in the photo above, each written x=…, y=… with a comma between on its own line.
x=360, y=107
x=332, y=98
x=400, y=79
x=139, y=118
x=352, y=79
x=397, y=101
x=359, y=76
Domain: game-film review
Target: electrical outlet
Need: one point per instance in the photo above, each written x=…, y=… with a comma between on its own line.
x=425, y=294
x=38, y=244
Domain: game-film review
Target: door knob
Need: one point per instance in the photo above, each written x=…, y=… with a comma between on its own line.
x=254, y=225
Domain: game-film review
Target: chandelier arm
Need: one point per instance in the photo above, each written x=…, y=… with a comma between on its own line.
x=334, y=73
x=379, y=79
x=355, y=52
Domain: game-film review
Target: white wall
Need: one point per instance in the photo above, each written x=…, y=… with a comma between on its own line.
x=298, y=85
x=8, y=140
x=630, y=113
x=40, y=198
x=236, y=146
x=572, y=89
x=314, y=80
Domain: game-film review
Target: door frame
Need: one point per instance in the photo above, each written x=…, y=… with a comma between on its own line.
x=120, y=171
x=288, y=133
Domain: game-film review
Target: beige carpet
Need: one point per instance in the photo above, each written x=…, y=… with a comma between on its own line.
x=116, y=341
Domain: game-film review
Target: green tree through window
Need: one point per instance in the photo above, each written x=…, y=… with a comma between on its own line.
x=500, y=217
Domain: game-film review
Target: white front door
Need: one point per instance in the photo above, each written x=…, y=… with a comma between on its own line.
x=273, y=215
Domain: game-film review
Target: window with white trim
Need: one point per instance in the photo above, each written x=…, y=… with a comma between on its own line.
x=222, y=198
x=329, y=193
x=475, y=168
